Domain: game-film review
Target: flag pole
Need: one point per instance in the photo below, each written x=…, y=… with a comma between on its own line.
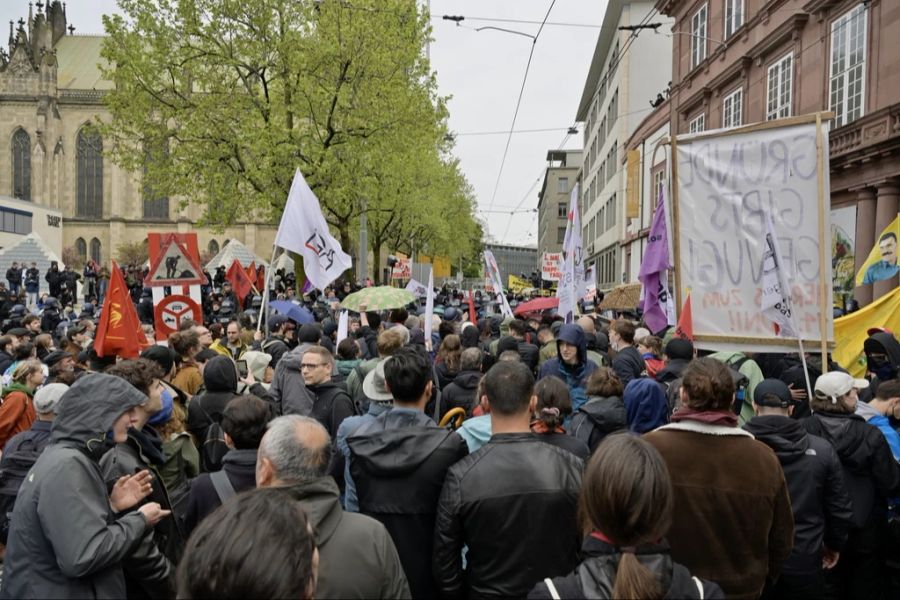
x=805, y=370
x=265, y=298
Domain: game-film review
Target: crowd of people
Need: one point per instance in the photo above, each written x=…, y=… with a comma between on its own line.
x=502, y=457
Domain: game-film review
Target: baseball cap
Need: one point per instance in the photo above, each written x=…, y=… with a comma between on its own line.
x=835, y=384
x=46, y=399
x=772, y=392
x=374, y=385
x=276, y=321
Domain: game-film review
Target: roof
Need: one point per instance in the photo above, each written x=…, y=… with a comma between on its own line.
x=31, y=248
x=78, y=58
x=234, y=250
x=608, y=31
x=623, y=297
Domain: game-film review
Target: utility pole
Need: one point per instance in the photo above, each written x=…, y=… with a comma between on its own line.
x=363, y=258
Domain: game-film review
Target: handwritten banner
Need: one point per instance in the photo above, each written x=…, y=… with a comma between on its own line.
x=550, y=266
x=726, y=184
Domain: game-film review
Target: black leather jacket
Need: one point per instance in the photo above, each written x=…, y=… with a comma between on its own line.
x=513, y=503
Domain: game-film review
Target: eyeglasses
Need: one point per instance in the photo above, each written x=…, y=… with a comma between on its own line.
x=311, y=365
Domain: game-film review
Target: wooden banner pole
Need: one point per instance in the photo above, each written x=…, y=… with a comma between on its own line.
x=823, y=257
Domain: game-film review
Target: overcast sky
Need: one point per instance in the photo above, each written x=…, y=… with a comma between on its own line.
x=483, y=72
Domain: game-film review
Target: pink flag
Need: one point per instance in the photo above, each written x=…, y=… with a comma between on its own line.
x=653, y=272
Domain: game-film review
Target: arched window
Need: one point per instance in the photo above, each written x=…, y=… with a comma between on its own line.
x=81, y=248
x=213, y=247
x=89, y=174
x=21, y=165
x=95, y=251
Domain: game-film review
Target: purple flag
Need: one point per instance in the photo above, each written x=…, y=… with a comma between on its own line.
x=653, y=272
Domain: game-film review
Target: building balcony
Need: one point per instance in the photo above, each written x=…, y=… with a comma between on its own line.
x=866, y=136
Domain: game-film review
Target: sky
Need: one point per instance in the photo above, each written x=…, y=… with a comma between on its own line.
x=482, y=72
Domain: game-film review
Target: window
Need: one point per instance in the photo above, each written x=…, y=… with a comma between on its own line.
x=81, y=248
x=611, y=161
x=562, y=185
x=562, y=210
x=611, y=213
x=732, y=108
x=21, y=165
x=848, y=65
x=698, y=124
x=15, y=221
x=89, y=175
x=560, y=235
x=659, y=182
x=95, y=251
x=213, y=247
x=778, y=95
x=698, y=36
x=734, y=16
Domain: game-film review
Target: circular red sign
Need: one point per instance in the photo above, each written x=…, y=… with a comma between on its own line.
x=171, y=311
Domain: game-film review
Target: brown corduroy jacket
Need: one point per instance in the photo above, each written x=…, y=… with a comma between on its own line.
x=732, y=522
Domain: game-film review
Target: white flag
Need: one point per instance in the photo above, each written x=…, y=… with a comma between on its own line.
x=343, y=326
x=493, y=272
x=429, y=308
x=303, y=231
x=776, y=293
x=572, y=283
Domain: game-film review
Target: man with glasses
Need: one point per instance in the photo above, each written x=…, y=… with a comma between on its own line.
x=332, y=404
x=204, y=335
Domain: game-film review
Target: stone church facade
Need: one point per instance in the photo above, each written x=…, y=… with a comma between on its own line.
x=51, y=89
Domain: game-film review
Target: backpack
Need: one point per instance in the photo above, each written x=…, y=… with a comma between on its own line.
x=360, y=401
x=214, y=448
x=16, y=465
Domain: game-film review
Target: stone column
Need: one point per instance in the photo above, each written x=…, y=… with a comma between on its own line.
x=865, y=238
x=885, y=212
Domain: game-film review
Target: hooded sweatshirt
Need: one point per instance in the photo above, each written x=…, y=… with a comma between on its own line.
x=575, y=376
x=220, y=379
x=646, y=405
x=398, y=462
x=64, y=540
x=883, y=343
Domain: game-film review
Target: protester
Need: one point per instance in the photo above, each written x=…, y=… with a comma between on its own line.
x=182, y=460
x=645, y=405
x=461, y=392
x=493, y=498
x=186, y=345
x=244, y=422
x=446, y=365
x=284, y=561
x=277, y=344
x=69, y=536
x=399, y=461
x=626, y=507
x=553, y=406
x=220, y=379
x=17, y=409
x=331, y=404
x=357, y=557
x=628, y=363
x=347, y=358
x=871, y=475
x=529, y=352
x=727, y=487
x=650, y=349
x=604, y=412
x=571, y=363
x=547, y=343
x=231, y=346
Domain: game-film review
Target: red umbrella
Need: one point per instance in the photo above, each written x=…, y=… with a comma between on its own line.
x=536, y=305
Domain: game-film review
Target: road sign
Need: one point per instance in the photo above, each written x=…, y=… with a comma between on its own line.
x=172, y=311
x=174, y=266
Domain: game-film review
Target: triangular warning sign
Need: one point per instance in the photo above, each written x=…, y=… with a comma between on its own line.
x=174, y=266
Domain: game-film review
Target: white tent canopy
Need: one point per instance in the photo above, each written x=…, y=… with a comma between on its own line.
x=234, y=250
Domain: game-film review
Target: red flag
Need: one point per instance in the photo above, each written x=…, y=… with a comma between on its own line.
x=251, y=271
x=261, y=278
x=119, y=331
x=685, y=327
x=240, y=283
x=473, y=317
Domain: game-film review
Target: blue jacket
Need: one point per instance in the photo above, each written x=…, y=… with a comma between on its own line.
x=576, y=376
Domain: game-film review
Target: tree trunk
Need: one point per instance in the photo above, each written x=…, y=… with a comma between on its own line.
x=376, y=258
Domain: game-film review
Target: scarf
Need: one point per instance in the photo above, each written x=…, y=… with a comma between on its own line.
x=538, y=426
x=712, y=417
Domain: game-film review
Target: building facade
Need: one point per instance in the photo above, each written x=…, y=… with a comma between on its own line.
x=521, y=261
x=51, y=91
x=560, y=177
x=736, y=62
x=625, y=75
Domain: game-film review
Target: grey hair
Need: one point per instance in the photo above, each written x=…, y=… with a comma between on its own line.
x=405, y=333
x=470, y=359
x=291, y=458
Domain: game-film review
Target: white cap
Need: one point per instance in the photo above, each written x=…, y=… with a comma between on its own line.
x=835, y=384
x=46, y=399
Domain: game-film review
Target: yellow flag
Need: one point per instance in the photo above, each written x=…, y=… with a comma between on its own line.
x=850, y=331
x=882, y=261
x=517, y=284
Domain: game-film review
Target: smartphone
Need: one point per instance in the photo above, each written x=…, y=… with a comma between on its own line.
x=242, y=367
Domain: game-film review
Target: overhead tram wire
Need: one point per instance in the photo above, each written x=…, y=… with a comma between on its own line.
x=519, y=103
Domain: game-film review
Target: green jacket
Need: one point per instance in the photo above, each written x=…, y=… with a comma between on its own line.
x=754, y=375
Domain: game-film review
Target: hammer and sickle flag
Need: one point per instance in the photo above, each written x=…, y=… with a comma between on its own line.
x=119, y=331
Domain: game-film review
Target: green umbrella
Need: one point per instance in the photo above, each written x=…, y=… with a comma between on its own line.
x=378, y=298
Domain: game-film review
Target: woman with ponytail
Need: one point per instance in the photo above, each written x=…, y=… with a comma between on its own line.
x=626, y=508
x=554, y=405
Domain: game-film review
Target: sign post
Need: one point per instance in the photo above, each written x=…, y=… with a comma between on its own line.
x=174, y=263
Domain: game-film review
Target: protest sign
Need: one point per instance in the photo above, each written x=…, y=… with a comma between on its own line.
x=726, y=183
x=517, y=284
x=416, y=288
x=550, y=266
x=401, y=270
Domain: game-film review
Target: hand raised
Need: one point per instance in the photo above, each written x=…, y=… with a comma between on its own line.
x=129, y=490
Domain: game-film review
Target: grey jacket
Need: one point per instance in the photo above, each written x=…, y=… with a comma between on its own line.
x=357, y=558
x=64, y=540
x=288, y=391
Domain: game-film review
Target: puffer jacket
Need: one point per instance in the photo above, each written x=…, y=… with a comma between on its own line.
x=515, y=487
x=595, y=577
x=870, y=472
x=598, y=418
x=288, y=390
x=64, y=540
x=575, y=376
x=220, y=379
x=399, y=462
x=819, y=499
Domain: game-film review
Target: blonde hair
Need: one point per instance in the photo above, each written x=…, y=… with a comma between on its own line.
x=25, y=369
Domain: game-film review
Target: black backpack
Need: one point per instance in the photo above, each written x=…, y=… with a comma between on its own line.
x=15, y=467
x=213, y=448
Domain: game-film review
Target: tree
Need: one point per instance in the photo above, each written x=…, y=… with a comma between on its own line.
x=132, y=253
x=226, y=98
